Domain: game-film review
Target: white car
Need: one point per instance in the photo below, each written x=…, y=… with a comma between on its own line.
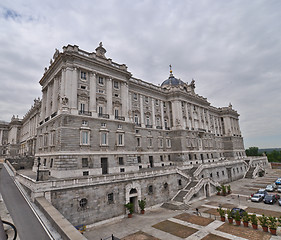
x=270, y=188
x=279, y=188
x=256, y=198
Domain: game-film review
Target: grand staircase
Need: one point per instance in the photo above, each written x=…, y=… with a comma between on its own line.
x=250, y=172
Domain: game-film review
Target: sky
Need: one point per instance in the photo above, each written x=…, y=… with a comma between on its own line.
x=231, y=48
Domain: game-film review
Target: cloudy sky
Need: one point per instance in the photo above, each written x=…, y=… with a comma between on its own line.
x=231, y=48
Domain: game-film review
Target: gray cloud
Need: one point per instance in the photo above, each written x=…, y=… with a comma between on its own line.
x=231, y=48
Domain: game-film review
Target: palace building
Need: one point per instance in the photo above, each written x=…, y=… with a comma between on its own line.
x=105, y=138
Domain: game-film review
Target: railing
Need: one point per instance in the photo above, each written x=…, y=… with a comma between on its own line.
x=76, y=182
x=158, y=127
x=201, y=130
x=104, y=115
x=138, y=124
x=120, y=118
x=148, y=126
x=167, y=128
x=85, y=113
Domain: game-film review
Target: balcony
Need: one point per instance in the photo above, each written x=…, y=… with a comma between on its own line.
x=167, y=128
x=85, y=113
x=120, y=118
x=148, y=126
x=201, y=130
x=158, y=127
x=104, y=115
x=138, y=124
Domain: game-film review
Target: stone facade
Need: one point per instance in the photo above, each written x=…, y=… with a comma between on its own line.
x=4, y=131
x=106, y=138
x=95, y=118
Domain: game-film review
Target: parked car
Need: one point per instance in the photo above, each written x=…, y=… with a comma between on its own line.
x=256, y=198
x=240, y=210
x=270, y=188
x=270, y=199
x=279, y=202
x=278, y=181
x=279, y=188
x=262, y=193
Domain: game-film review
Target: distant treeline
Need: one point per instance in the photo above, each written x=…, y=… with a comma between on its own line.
x=273, y=154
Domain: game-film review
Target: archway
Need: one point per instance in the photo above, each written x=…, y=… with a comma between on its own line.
x=207, y=190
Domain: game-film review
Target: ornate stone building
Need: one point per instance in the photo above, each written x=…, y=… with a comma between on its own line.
x=96, y=119
x=105, y=138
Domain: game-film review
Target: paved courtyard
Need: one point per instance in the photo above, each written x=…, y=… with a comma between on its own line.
x=160, y=223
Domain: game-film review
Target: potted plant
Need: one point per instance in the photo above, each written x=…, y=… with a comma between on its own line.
x=246, y=219
x=254, y=221
x=221, y=213
x=218, y=188
x=272, y=225
x=142, y=204
x=228, y=189
x=237, y=218
x=229, y=217
x=130, y=207
x=223, y=188
x=264, y=222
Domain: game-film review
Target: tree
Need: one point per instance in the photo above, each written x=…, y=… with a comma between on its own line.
x=274, y=156
x=253, y=151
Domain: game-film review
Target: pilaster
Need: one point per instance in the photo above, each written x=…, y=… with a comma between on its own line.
x=141, y=112
x=153, y=113
x=93, y=92
x=124, y=99
x=109, y=96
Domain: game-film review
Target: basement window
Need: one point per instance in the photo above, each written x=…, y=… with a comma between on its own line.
x=83, y=202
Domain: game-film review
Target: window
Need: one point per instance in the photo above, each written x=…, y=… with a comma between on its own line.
x=169, y=157
x=120, y=141
x=150, y=142
x=135, y=96
x=103, y=124
x=82, y=107
x=84, y=123
x=160, y=142
x=164, y=104
x=83, y=202
x=179, y=182
x=85, y=138
x=83, y=75
x=100, y=110
x=195, y=156
x=165, y=185
x=166, y=123
x=190, y=156
x=101, y=80
x=116, y=84
x=136, y=119
x=138, y=142
x=84, y=162
x=161, y=158
x=157, y=102
x=150, y=189
x=122, y=169
x=103, y=138
x=139, y=159
x=45, y=161
x=146, y=99
x=100, y=91
x=51, y=163
x=85, y=173
x=116, y=95
x=202, y=157
x=121, y=161
x=168, y=142
x=83, y=87
x=218, y=174
x=116, y=113
x=119, y=126
x=147, y=120
x=110, y=198
x=211, y=175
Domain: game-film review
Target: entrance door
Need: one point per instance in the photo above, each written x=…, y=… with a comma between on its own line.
x=134, y=201
x=151, y=161
x=104, y=165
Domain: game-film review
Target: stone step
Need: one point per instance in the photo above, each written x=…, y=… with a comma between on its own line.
x=173, y=205
x=180, y=195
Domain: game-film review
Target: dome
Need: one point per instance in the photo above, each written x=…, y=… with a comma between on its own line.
x=172, y=81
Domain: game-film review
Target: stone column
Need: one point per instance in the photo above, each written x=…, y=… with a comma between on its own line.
x=177, y=114
x=142, y=120
x=162, y=114
x=43, y=107
x=192, y=118
x=48, y=101
x=109, y=96
x=93, y=92
x=153, y=113
x=55, y=96
x=1, y=137
x=124, y=99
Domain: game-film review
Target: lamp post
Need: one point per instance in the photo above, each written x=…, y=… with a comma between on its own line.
x=38, y=166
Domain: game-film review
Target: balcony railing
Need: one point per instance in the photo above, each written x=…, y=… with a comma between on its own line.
x=148, y=126
x=85, y=113
x=167, y=128
x=103, y=115
x=138, y=124
x=158, y=127
x=201, y=130
x=120, y=118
